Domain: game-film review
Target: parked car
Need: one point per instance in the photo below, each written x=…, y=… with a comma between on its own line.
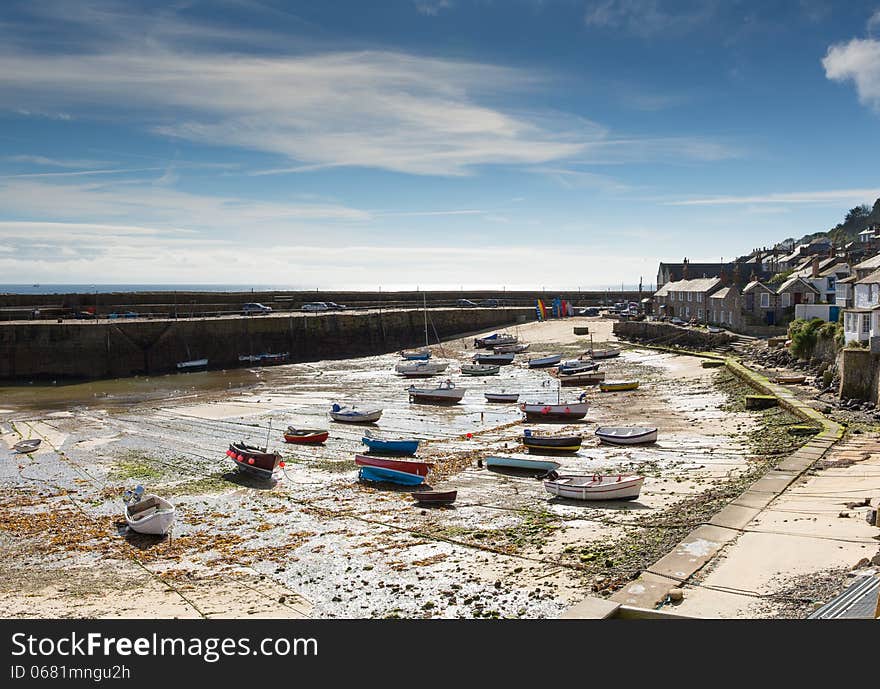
x=124, y=314
x=255, y=307
x=315, y=306
x=333, y=306
x=466, y=303
x=675, y=320
x=490, y=302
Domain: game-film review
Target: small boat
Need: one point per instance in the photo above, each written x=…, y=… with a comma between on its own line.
x=254, y=460
x=540, y=465
x=595, y=487
x=26, y=446
x=627, y=435
x=575, y=366
x=382, y=475
x=608, y=353
x=789, y=379
x=494, y=359
x=391, y=447
x=435, y=497
x=416, y=354
x=551, y=443
x=407, y=466
x=495, y=340
x=305, y=436
x=715, y=330
x=502, y=396
x=445, y=393
x=566, y=411
x=618, y=385
x=545, y=362
x=264, y=359
x=510, y=349
x=581, y=379
x=421, y=369
x=146, y=513
x=479, y=370
x=351, y=414
x=193, y=365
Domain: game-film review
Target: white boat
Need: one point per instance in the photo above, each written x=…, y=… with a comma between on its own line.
x=26, y=446
x=627, y=435
x=420, y=369
x=194, y=365
x=148, y=513
x=609, y=353
x=495, y=340
x=480, y=369
x=510, y=349
x=502, y=396
x=416, y=354
x=564, y=411
x=545, y=362
x=446, y=392
x=595, y=487
x=351, y=414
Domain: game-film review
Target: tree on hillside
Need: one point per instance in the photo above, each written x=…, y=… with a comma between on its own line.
x=858, y=212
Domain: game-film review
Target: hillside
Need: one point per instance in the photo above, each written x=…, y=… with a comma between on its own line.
x=856, y=220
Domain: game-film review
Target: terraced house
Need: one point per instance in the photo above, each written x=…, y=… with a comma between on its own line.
x=686, y=299
x=861, y=323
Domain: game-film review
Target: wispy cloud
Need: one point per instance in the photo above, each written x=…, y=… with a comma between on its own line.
x=80, y=173
x=649, y=17
x=833, y=196
x=432, y=7
x=54, y=162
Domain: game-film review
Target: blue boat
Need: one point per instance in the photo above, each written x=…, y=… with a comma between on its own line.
x=521, y=464
x=390, y=447
x=390, y=475
x=416, y=354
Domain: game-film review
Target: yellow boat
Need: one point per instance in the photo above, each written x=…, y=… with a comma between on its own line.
x=618, y=385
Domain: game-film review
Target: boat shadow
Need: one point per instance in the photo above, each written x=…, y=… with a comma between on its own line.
x=249, y=481
x=392, y=487
x=141, y=541
x=615, y=505
x=518, y=473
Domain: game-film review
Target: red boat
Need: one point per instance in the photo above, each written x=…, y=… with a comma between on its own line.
x=408, y=466
x=435, y=497
x=305, y=436
x=254, y=460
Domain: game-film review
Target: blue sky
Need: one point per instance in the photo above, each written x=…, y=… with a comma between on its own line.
x=429, y=143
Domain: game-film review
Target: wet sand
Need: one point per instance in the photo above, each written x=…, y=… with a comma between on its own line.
x=318, y=542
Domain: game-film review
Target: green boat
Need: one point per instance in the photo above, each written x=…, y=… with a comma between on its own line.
x=479, y=370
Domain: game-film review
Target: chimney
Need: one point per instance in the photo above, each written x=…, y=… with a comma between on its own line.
x=815, y=266
x=684, y=269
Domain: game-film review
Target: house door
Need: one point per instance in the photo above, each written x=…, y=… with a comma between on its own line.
x=771, y=318
x=798, y=297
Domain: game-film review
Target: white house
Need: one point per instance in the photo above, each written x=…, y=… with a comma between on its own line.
x=862, y=321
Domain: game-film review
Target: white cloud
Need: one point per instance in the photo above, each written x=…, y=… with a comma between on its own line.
x=857, y=61
x=874, y=21
x=54, y=162
x=432, y=7
x=648, y=17
x=829, y=196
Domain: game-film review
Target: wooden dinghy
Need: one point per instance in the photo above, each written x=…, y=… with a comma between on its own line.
x=618, y=385
x=595, y=487
x=408, y=466
x=479, y=370
x=420, y=369
x=306, y=436
x=257, y=461
x=566, y=411
x=383, y=475
x=445, y=393
x=521, y=464
x=146, y=513
x=608, y=353
x=26, y=446
x=407, y=446
x=193, y=365
x=494, y=359
x=351, y=414
x=435, y=497
x=502, y=396
x=544, y=361
x=789, y=378
x=550, y=443
x=627, y=435
x=581, y=379
x=416, y=354
x=510, y=349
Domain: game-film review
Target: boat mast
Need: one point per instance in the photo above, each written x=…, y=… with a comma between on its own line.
x=425, y=298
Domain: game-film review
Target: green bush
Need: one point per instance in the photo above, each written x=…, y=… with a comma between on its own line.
x=803, y=335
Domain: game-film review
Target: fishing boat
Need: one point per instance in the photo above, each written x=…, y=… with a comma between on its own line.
x=550, y=443
x=565, y=411
x=522, y=464
x=510, y=348
x=382, y=475
x=445, y=393
x=582, y=379
x=146, y=513
x=595, y=487
x=435, y=497
x=502, y=396
x=192, y=365
x=420, y=369
x=495, y=340
x=627, y=435
x=388, y=446
x=257, y=461
x=618, y=385
x=789, y=378
x=416, y=354
x=494, y=359
x=545, y=362
x=351, y=414
x=26, y=446
x=265, y=359
x=479, y=370
x=306, y=436
x=609, y=353
x=407, y=466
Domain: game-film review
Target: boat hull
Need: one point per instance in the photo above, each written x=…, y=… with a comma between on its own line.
x=151, y=515
x=538, y=444
x=537, y=465
x=494, y=359
x=442, y=395
x=382, y=475
x=405, y=465
x=582, y=379
x=618, y=386
x=435, y=497
x=253, y=460
x=557, y=412
x=391, y=447
x=480, y=370
x=501, y=397
x=316, y=437
x=601, y=488
x=544, y=362
x=603, y=353
x=638, y=436
x=356, y=416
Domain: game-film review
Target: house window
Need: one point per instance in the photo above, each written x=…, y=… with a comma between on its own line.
x=866, y=323
x=700, y=314
x=687, y=311
x=700, y=297
x=681, y=296
x=765, y=300
x=786, y=300
x=690, y=296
